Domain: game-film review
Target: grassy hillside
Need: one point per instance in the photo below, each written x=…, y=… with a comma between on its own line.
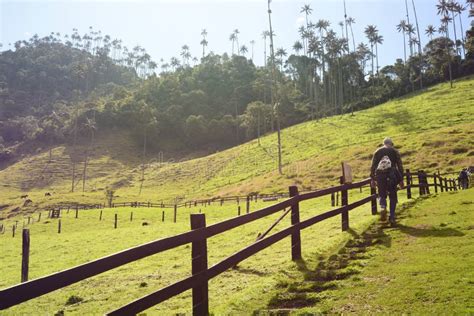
x=424, y=266
x=433, y=130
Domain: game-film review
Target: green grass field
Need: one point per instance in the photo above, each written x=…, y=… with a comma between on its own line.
x=424, y=266
x=434, y=130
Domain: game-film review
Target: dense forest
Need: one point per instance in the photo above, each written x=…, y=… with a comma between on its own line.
x=60, y=87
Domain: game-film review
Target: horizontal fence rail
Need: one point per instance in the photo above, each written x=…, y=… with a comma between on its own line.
x=198, y=237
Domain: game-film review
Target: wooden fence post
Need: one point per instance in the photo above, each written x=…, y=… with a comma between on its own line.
x=333, y=200
x=344, y=202
x=115, y=221
x=248, y=204
x=162, y=216
x=337, y=198
x=408, y=180
x=29, y=219
x=455, y=187
x=435, y=182
x=238, y=210
x=25, y=255
x=441, y=185
x=59, y=226
x=420, y=183
x=199, y=264
x=77, y=212
x=446, y=188
x=39, y=216
x=373, y=191
x=295, y=219
x=100, y=216
x=131, y=216
x=175, y=212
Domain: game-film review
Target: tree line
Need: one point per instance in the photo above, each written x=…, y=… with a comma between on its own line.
x=60, y=87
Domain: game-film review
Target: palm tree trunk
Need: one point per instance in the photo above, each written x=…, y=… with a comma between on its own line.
x=404, y=47
x=455, y=33
x=419, y=45
x=462, y=35
x=274, y=92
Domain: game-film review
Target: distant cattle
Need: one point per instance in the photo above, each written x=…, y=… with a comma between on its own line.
x=47, y=194
x=24, y=196
x=27, y=202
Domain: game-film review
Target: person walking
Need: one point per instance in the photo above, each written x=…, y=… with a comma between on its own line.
x=386, y=173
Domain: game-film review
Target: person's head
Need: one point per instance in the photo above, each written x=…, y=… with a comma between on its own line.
x=388, y=142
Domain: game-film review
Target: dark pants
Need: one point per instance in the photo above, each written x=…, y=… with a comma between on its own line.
x=386, y=187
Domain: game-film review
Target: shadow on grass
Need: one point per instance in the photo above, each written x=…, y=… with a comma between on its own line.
x=430, y=231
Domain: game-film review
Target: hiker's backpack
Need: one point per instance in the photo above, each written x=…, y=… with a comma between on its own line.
x=384, y=164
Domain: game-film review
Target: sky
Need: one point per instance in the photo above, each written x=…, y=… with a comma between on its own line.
x=162, y=27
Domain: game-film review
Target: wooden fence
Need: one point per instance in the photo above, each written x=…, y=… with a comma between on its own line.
x=198, y=236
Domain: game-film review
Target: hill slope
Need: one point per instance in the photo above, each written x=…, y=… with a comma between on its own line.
x=433, y=130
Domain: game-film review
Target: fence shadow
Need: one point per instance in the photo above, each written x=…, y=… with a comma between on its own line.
x=430, y=231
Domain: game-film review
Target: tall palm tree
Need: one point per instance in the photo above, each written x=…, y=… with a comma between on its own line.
x=232, y=38
x=459, y=8
x=442, y=10
x=452, y=9
x=401, y=27
x=274, y=92
x=204, y=41
x=236, y=33
x=350, y=21
x=306, y=9
x=417, y=27
x=243, y=50
x=430, y=31
x=265, y=34
x=410, y=30
x=297, y=46
x=378, y=39
x=371, y=32
x=280, y=53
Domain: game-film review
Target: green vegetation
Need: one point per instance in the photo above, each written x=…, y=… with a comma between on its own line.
x=424, y=266
x=313, y=152
x=433, y=130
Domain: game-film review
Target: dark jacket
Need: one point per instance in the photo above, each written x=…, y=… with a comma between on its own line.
x=392, y=154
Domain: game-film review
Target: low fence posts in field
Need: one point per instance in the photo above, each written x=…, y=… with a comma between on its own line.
x=115, y=221
x=295, y=219
x=100, y=216
x=248, y=205
x=435, y=182
x=13, y=230
x=199, y=264
x=175, y=212
x=25, y=255
x=344, y=202
x=162, y=216
x=333, y=200
x=59, y=226
x=131, y=216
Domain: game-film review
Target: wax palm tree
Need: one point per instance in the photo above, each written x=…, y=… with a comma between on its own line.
x=243, y=50
x=430, y=31
x=459, y=8
x=417, y=27
x=185, y=54
x=401, y=27
x=204, y=42
x=378, y=40
x=280, y=53
x=236, y=34
x=306, y=9
x=232, y=38
x=371, y=32
x=297, y=46
x=349, y=22
x=265, y=34
x=451, y=9
x=410, y=31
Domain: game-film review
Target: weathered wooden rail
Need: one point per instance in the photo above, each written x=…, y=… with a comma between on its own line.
x=201, y=273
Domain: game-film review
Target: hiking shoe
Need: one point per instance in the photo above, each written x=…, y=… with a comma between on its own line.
x=393, y=223
x=383, y=214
